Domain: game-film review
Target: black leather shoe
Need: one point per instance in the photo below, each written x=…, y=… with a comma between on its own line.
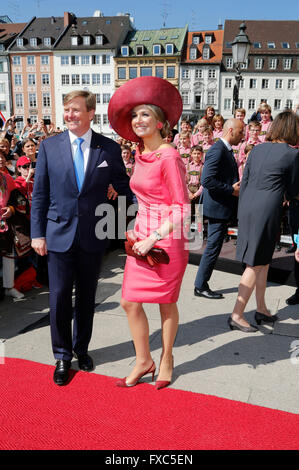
x=293, y=300
x=259, y=317
x=207, y=293
x=61, y=373
x=236, y=326
x=85, y=362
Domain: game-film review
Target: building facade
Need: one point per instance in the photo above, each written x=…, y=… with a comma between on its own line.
x=272, y=69
x=200, y=73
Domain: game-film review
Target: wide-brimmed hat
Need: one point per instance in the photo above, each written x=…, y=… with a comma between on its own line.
x=143, y=90
x=23, y=161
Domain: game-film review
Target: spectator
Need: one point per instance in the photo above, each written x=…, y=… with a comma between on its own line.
x=217, y=123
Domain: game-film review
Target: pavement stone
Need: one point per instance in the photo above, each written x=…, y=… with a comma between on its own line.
x=260, y=369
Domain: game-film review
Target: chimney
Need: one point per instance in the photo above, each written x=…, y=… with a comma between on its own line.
x=67, y=18
x=220, y=25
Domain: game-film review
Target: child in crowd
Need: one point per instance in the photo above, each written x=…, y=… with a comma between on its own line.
x=240, y=114
x=196, y=138
x=254, y=129
x=217, y=122
x=265, y=112
x=184, y=147
x=127, y=159
x=24, y=182
x=207, y=139
x=185, y=127
x=241, y=165
x=194, y=172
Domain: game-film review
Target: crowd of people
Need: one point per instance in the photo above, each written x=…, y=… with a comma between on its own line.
x=166, y=168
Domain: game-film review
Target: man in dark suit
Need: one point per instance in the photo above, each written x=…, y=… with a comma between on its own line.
x=74, y=170
x=220, y=180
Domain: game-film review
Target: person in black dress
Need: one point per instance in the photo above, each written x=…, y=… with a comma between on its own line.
x=271, y=171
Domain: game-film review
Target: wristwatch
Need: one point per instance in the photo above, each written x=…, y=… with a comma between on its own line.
x=157, y=235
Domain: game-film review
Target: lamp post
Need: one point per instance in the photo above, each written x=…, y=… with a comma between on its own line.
x=240, y=50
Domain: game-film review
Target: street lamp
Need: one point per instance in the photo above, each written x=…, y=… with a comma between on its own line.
x=240, y=50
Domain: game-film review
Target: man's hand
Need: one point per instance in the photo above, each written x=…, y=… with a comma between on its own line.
x=40, y=246
x=236, y=187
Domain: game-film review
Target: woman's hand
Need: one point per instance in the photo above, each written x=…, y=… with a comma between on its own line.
x=6, y=212
x=143, y=246
x=112, y=194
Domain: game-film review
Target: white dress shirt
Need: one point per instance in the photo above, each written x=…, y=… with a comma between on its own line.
x=85, y=146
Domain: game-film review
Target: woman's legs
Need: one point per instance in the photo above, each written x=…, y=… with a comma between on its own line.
x=253, y=276
x=169, y=326
x=139, y=327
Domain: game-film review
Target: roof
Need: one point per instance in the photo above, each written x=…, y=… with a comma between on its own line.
x=215, y=46
x=113, y=28
x=163, y=36
x=260, y=31
x=8, y=31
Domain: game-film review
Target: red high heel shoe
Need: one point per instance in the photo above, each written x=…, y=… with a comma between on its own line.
x=163, y=383
x=151, y=370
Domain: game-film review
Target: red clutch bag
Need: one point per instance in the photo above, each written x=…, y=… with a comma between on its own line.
x=154, y=256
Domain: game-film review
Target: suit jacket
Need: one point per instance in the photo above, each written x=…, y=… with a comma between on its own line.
x=58, y=208
x=220, y=172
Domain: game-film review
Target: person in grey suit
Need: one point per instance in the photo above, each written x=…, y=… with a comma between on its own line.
x=220, y=180
x=271, y=171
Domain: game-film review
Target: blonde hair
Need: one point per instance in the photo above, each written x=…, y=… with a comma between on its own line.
x=160, y=116
x=90, y=99
x=264, y=107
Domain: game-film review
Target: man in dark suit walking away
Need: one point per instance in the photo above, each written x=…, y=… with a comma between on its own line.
x=74, y=170
x=220, y=180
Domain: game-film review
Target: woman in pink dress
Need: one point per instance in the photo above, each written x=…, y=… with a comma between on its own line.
x=143, y=109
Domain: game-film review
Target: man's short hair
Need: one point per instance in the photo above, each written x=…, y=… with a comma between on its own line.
x=90, y=99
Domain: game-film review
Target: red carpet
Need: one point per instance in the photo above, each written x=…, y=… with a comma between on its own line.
x=92, y=413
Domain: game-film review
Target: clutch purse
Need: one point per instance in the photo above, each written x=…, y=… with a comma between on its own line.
x=154, y=256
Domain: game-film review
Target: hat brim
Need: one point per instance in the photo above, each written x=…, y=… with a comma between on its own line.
x=143, y=90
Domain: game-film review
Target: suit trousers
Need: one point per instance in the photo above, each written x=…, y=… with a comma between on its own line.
x=216, y=232
x=66, y=270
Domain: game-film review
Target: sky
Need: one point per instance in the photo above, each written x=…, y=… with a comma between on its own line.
x=152, y=14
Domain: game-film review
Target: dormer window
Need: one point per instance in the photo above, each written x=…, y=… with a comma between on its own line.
x=206, y=52
x=208, y=39
x=20, y=42
x=99, y=39
x=125, y=51
x=193, y=53
x=47, y=41
x=271, y=45
x=195, y=39
x=157, y=49
x=86, y=39
x=139, y=50
x=33, y=42
x=74, y=40
x=169, y=49
x=285, y=45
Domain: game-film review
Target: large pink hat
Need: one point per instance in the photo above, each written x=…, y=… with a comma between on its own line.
x=143, y=90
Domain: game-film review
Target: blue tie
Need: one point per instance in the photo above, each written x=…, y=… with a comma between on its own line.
x=79, y=163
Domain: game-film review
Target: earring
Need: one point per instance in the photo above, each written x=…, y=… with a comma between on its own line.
x=159, y=125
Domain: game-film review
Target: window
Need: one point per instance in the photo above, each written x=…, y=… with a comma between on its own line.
x=240, y=103
x=106, y=79
x=132, y=72
x=289, y=104
x=33, y=42
x=185, y=73
x=297, y=45
x=75, y=60
x=105, y=119
x=32, y=100
x=16, y=60
x=121, y=73
x=265, y=83
x=253, y=83
x=45, y=79
x=74, y=40
x=197, y=98
x=271, y=45
x=64, y=60
x=257, y=45
x=33, y=119
x=98, y=98
x=18, y=80
x=31, y=79
x=2, y=105
x=99, y=40
x=229, y=62
x=95, y=79
x=85, y=60
x=198, y=73
x=251, y=103
x=85, y=79
x=241, y=85
x=97, y=119
x=20, y=42
x=228, y=45
x=208, y=39
x=285, y=45
x=95, y=59
x=139, y=50
x=125, y=51
x=19, y=100
x=47, y=41
x=206, y=53
x=170, y=71
x=106, y=59
x=272, y=63
x=228, y=82
x=195, y=39
x=65, y=79
x=212, y=73
x=46, y=99
x=156, y=49
x=75, y=79
x=185, y=97
x=106, y=98
x=278, y=83
x=258, y=63
x=86, y=40
x=291, y=84
x=169, y=49
x=287, y=64
x=30, y=60
x=211, y=97
x=193, y=53
x=159, y=70
x=145, y=71
x=277, y=104
x=227, y=104
x=44, y=59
